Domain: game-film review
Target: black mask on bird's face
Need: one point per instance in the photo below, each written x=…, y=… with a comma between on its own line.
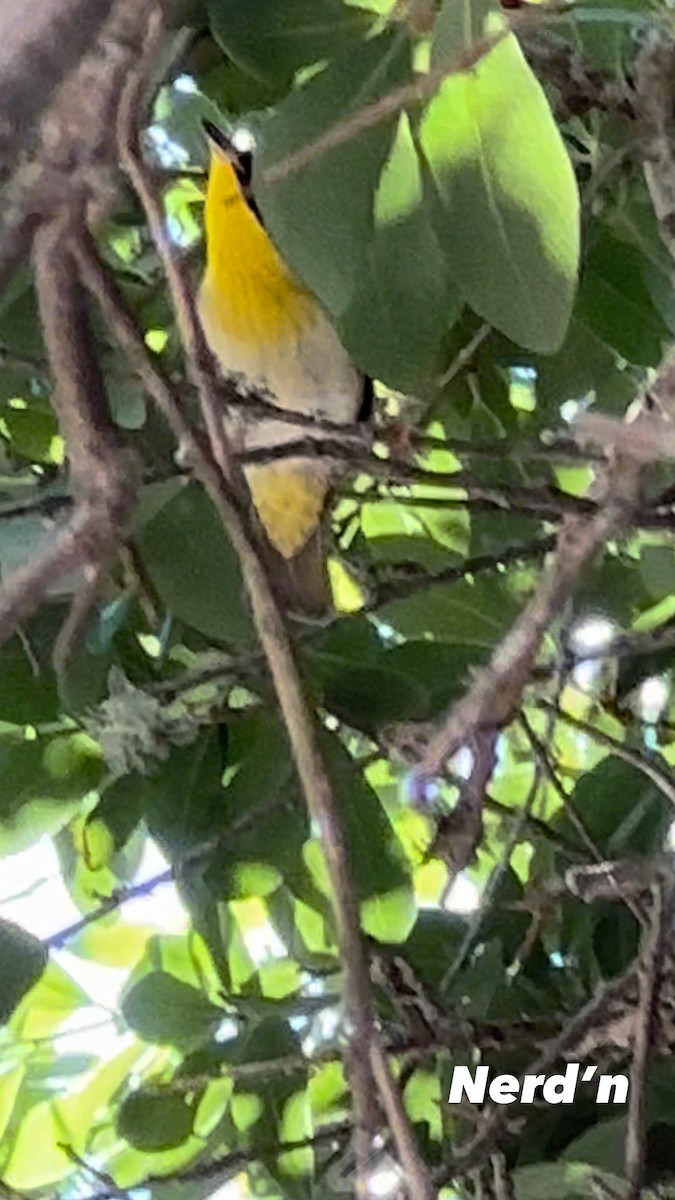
x=241, y=160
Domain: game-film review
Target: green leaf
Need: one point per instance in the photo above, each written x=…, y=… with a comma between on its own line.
x=444, y=669
x=366, y=696
x=28, y=695
x=41, y=785
x=507, y=207
x=54, y=999
x=615, y=302
x=34, y=435
x=562, y=1181
x=583, y=366
x=625, y=814
x=263, y=1041
x=182, y=799
x=376, y=860
x=404, y=302
x=273, y=41
x=602, y=1145
x=263, y=821
x=11, y=1079
x=23, y=958
x=155, y=1122
x=194, y=568
x=322, y=216
x=657, y=571
x=432, y=943
x=474, y=614
x=162, y=1009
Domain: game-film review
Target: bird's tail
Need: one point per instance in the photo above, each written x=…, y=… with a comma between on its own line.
x=302, y=583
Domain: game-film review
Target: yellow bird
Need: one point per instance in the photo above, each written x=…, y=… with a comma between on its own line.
x=263, y=324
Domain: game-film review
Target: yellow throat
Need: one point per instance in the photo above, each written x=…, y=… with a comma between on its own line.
x=258, y=301
x=257, y=316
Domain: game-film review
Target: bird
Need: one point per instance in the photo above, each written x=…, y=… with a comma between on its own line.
x=267, y=328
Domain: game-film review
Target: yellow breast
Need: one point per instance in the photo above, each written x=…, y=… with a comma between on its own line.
x=261, y=322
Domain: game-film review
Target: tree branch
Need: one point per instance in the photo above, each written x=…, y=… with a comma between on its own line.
x=215, y=471
x=495, y=694
x=102, y=475
x=648, y=987
x=41, y=41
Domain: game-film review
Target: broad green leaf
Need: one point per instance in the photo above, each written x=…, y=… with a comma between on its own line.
x=127, y=403
x=444, y=669
x=432, y=944
x=273, y=41
x=11, y=1079
x=583, y=367
x=112, y=943
x=463, y=613
x=212, y=1106
x=22, y=960
x=322, y=215
x=563, y=1181
x=424, y=1101
x=162, y=1009
x=41, y=786
x=389, y=917
x=279, y=979
x=25, y=1169
x=28, y=695
x=376, y=860
x=52, y=1000
x=55, y=1125
x=428, y=536
x=507, y=208
x=369, y=696
x=131, y=1167
x=264, y=786
x=623, y=811
x=607, y=30
x=602, y=1145
x=182, y=797
x=615, y=301
x=327, y=1089
x=657, y=571
x=194, y=568
x=151, y=1121
x=404, y=302
x=261, y=1097
x=33, y=434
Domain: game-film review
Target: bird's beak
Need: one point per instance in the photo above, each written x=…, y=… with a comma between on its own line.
x=219, y=141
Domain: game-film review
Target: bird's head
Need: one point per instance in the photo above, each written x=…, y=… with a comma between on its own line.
x=226, y=156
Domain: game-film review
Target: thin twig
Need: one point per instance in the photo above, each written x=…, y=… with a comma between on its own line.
x=493, y=882
x=642, y=760
x=178, y=871
x=495, y=694
x=419, y=1184
x=225, y=1167
x=403, y=583
x=464, y=356
x=569, y=806
x=385, y=107
x=542, y=756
